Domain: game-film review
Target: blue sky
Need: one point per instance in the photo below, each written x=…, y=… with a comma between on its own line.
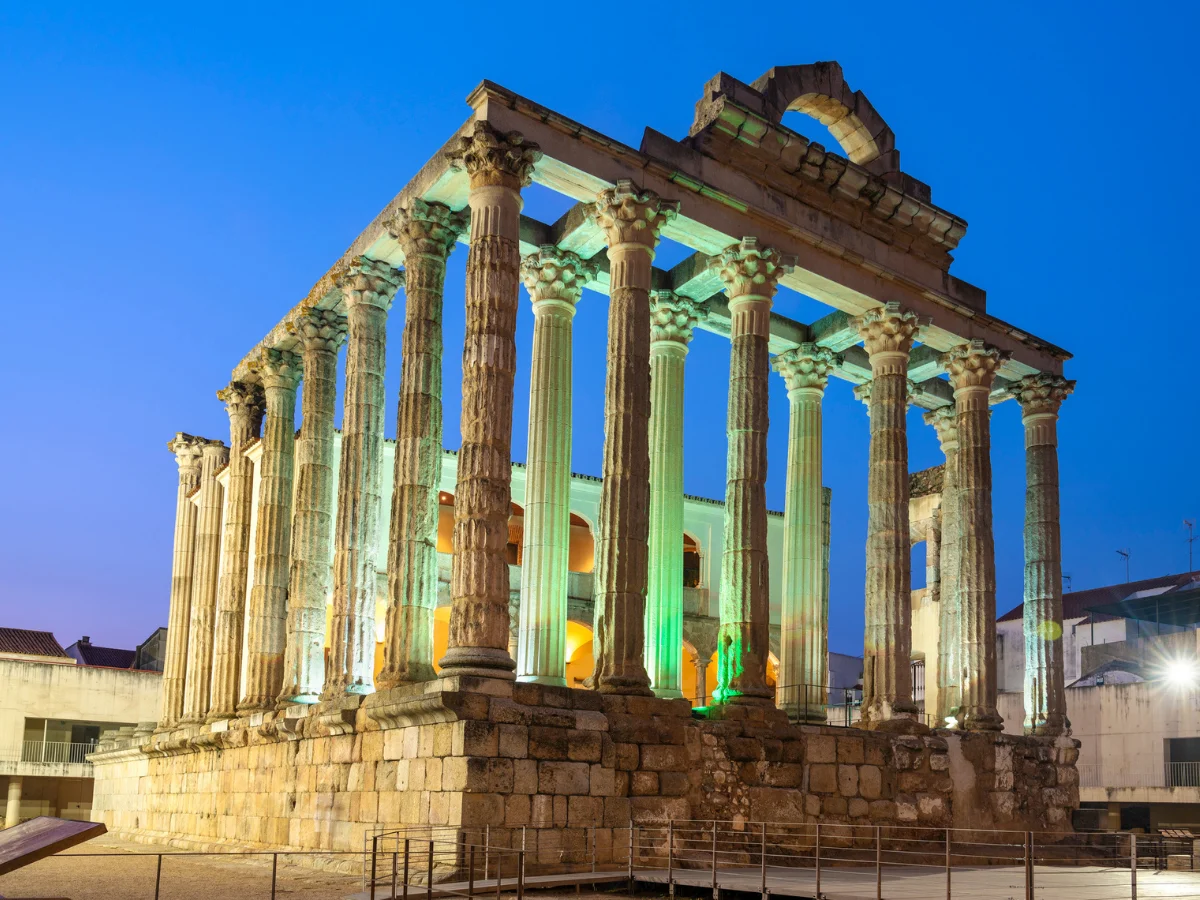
x=173, y=180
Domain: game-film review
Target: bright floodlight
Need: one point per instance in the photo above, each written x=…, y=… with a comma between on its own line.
x=1182, y=672
x=951, y=721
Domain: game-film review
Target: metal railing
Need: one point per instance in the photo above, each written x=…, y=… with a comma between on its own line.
x=1171, y=775
x=840, y=707
x=60, y=752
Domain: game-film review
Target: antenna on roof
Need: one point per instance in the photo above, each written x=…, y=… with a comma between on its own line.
x=1125, y=553
x=1066, y=583
x=1190, y=525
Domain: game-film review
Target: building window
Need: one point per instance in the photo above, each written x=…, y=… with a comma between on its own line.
x=918, y=680
x=691, y=562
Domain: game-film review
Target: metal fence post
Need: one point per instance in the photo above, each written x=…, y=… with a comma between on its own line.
x=1132, y=867
x=878, y=862
x=670, y=858
x=429, y=874
x=521, y=875
x=716, y=890
x=593, y=833
x=404, y=887
x=763, y=860
x=275, y=872
x=374, y=855
x=157, y=876
x=1029, y=865
x=487, y=843
x=471, y=871
x=947, y=864
x=817, y=860
x=394, y=865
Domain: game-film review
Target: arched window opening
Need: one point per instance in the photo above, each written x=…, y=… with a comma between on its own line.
x=691, y=561
x=581, y=557
x=445, y=532
x=516, y=535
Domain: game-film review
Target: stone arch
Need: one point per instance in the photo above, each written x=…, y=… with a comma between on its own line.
x=581, y=553
x=819, y=90
x=693, y=560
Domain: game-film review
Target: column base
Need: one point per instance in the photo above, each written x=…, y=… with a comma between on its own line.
x=1056, y=726
x=668, y=693
x=289, y=697
x=633, y=685
x=480, y=662
x=892, y=717
x=410, y=674
x=980, y=719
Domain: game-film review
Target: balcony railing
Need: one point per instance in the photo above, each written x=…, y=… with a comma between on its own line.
x=56, y=752
x=1172, y=775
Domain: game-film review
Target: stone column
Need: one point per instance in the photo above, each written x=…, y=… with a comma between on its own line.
x=321, y=332
x=671, y=321
x=804, y=618
x=426, y=233
x=266, y=620
x=1040, y=397
x=888, y=333
x=701, y=680
x=368, y=287
x=202, y=609
x=244, y=403
x=555, y=280
x=12, y=811
x=631, y=220
x=945, y=423
x=972, y=368
x=750, y=274
x=187, y=450
x=498, y=166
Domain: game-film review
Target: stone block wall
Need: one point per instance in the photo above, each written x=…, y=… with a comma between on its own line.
x=472, y=752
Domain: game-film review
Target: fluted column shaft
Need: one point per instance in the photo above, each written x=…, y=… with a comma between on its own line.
x=320, y=332
x=266, y=620
x=244, y=403
x=368, y=287
x=888, y=703
x=1041, y=396
x=972, y=368
x=426, y=232
x=672, y=320
x=498, y=166
x=804, y=614
x=202, y=612
x=750, y=274
x=949, y=671
x=555, y=281
x=188, y=452
x=631, y=220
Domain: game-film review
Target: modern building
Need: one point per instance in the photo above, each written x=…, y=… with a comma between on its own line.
x=1132, y=654
x=54, y=707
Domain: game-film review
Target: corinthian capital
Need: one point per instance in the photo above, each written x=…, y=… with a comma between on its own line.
x=318, y=329
x=187, y=449
x=749, y=269
x=1041, y=394
x=673, y=317
x=862, y=392
x=944, y=420
x=629, y=215
x=493, y=158
x=805, y=367
x=973, y=364
x=888, y=329
x=244, y=402
x=278, y=368
x=371, y=282
x=555, y=277
x=427, y=229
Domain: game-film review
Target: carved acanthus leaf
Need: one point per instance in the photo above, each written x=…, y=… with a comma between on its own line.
x=944, y=420
x=888, y=329
x=369, y=281
x=749, y=269
x=1041, y=393
x=806, y=366
x=552, y=274
x=493, y=158
x=673, y=317
x=278, y=368
x=973, y=364
x=628, y=214
x=427, y=229
x=319, y=329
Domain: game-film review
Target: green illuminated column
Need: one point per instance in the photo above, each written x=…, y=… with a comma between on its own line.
x=205, y=569
x=671, y=321
x=888, y=332
x=1040, y=397
x=498, y=166
x=555, y=280
x=320, y=332
x=751, y=274
x=188, y=451
x=945, y=423
x=804, y=620
x=367, y=287
x=426, y=232
x=266, y=619
x=631, y=220
x=244, y=403
x=972, y=368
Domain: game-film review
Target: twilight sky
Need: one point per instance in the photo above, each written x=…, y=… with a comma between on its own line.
x=173, y=180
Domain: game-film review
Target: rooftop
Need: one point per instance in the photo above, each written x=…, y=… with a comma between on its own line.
x=1103, y=603
x=31, y=643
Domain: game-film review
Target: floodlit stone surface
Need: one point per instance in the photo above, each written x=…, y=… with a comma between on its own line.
x=1040, y=397
x=426, y=232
